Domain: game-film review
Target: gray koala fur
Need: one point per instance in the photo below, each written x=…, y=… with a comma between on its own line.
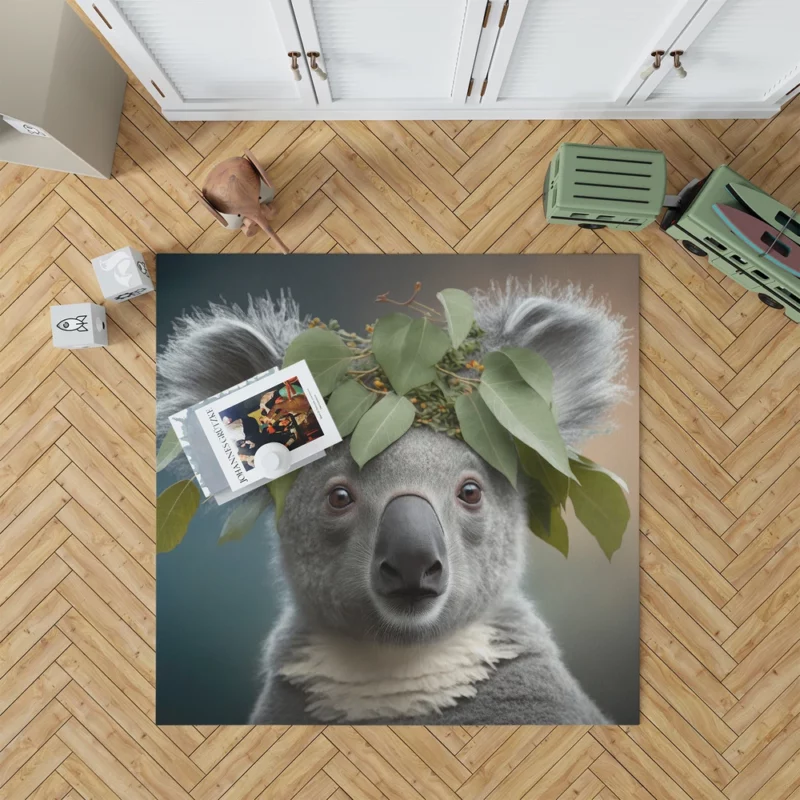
x=324, y=558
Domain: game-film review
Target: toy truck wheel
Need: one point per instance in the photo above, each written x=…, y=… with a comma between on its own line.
x=769, y=301
x=592, y=226
x=693, y=248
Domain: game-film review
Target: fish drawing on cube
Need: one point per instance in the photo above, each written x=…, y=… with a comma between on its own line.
x=79, y=325
x=122, y=274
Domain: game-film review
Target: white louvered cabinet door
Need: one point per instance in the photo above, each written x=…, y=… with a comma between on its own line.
x=746, y=51
x=559, y=53
x=385, y=54
x=216, y=55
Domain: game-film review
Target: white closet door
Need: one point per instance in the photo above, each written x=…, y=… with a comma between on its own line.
x=390, y=53
x=746, y=52
x=231, y=54
x=579, y=51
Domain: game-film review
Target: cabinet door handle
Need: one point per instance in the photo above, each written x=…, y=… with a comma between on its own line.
x=649, y=70
x=676, y=60
x=313, y=56
x=294, y=66
x=100, y=14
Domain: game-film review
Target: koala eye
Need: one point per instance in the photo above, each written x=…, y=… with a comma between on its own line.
x=470, y=493
x=339, y=497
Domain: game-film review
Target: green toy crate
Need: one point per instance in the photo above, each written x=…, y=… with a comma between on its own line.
x=702, y=232
x=598, y=187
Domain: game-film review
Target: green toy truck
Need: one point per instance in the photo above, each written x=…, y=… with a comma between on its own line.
x=598, y=187
x=695, y=224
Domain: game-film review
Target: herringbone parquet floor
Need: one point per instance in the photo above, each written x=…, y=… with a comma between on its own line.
x=720, y=402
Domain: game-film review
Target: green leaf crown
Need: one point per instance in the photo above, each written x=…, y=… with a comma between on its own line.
x=427, y=371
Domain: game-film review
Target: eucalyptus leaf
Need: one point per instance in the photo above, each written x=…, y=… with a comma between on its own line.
x=279, y=489
x=575, y=456
x=244, y=517
x=170, y=449
x=539, y=504
x=348, y=403
x=522, y=411
x=545, y=520
x=532, y=368
x=533, y=465
x=600, y=505
x=327, y=356
x=485, y=435
x=459, y=311
x=382, y=425
x=407, y=349
x=175, y=508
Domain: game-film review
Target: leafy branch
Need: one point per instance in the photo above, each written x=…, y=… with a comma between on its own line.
x=409, y=371
x=501, y=406
x=412, y=302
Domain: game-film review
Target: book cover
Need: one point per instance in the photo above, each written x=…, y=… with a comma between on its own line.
x=223, y=434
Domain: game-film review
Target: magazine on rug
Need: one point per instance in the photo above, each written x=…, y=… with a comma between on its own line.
x=228, y=437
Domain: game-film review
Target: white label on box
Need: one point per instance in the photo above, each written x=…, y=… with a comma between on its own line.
x=25, y=127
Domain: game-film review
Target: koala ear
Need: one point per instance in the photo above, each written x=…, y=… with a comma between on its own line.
x=577, y=335
x=212, y=350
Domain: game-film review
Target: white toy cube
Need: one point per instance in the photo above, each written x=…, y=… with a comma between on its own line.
x=122, y=274
x=79, y=325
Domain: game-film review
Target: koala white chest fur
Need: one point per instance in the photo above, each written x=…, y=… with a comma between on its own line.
x=346, y=683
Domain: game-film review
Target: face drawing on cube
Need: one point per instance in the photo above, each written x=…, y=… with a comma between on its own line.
x=281, y=414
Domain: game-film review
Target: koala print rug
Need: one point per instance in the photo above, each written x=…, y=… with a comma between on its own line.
x=466, y=555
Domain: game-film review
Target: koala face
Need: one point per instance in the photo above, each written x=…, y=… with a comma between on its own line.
x=424, y=539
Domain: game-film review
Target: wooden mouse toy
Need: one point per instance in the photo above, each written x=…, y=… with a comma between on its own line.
x=237, y=193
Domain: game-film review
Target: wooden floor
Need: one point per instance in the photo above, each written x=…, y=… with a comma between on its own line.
x=720, y=404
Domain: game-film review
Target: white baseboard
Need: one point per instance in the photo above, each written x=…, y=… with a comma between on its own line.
x=198, y=112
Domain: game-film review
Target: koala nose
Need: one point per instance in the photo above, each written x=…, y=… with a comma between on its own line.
x=410, y=555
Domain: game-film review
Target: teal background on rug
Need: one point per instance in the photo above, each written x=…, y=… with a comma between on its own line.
x=216, y=603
